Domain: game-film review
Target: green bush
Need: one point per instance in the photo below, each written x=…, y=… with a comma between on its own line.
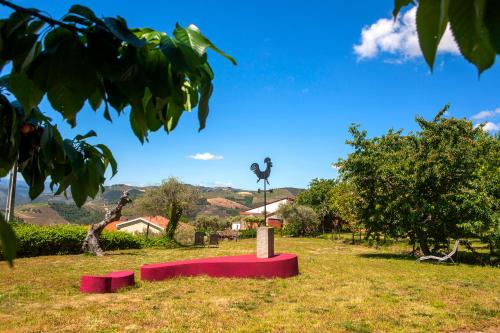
x=300, y=220
x=250, y=233
x=161, y=242
x=66, y=239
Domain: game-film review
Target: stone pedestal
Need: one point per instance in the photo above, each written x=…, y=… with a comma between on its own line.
x=265, y=242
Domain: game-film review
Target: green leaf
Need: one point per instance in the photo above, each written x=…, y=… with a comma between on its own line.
x=106, y=114
x=492, y=22
x=119, y=29
x=155, y=66
x=84, y=12
x=193, y=37
x=75, y=158
x=190, y=96
x=77, y=19
x=138, y=121
x=174, y=113
x=34, y=175
x=205, y=91
x=79, y=190
x=89, y=134
x=35, y=26
x=8, y=241
x=65, y=93
x=109, y=158
x=471, y=35
x=25, y=90
x=152, y=116
x=398, y=4
x=432, y=20
x=95, y=99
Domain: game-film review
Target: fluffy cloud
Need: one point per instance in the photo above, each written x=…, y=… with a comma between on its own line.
x=398, y=38
x=491, y=127
x=488, y=126
x=206, y=157
x=486, y=114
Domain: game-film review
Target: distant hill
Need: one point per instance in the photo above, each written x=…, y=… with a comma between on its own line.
x=226, y=203
x=221, y=201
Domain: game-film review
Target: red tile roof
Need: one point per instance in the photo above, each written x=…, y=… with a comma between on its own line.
x=158, y=220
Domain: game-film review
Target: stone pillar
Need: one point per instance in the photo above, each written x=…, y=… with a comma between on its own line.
x=265, y=242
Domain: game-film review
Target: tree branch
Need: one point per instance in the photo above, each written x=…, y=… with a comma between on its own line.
x=91, y=242
x=35, y=13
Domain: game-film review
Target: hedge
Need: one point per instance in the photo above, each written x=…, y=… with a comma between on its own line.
x=250, y=233
x=36, y=240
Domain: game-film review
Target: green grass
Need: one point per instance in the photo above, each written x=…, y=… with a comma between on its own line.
x=341, y=288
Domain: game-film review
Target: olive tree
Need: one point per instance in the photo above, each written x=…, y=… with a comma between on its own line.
x=298, y=220
x=317, y=196
x=171, y=199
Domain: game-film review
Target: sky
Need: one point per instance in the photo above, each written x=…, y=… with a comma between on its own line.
x=306, y=71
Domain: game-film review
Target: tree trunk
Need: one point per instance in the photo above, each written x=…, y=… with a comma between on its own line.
x=424, y=246
x=175, y=216
x=91, y=242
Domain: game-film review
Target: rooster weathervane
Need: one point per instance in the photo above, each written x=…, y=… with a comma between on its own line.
x=263, y=175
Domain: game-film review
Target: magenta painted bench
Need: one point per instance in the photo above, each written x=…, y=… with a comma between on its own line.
x=108, y=283
x=246, y=266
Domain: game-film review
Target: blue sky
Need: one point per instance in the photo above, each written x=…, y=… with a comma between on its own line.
x=300, y=82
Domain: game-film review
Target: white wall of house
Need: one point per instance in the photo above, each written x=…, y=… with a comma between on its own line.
x=270, y=208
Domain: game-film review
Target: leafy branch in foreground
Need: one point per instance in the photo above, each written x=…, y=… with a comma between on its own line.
x=83, y=58
x=475, y=24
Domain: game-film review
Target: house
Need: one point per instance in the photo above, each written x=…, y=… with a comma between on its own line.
x=272, y=220
x=141, y=225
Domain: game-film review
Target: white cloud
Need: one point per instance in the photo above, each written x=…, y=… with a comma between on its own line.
x=398, y=38
x=491, y=127
x=486, y=114
x=206, y=157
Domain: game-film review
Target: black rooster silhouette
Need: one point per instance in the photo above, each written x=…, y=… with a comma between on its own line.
x=262, y=174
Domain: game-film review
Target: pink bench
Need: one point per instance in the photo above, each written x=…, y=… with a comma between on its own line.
x=246, y=266
x=106, y=283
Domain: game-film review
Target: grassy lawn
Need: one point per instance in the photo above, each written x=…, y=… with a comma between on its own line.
x=341, y=288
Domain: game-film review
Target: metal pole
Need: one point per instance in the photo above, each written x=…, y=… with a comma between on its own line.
x=11, y=196
x=265, y=204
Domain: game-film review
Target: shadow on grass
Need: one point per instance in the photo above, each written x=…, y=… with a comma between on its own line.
x=468, y=258
x=122, y=253
x=397, y=256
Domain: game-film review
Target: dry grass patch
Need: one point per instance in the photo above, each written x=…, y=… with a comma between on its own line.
x=341, y=288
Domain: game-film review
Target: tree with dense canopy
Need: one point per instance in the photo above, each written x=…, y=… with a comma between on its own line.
x=317, y=196
x=344, y=201
x=171, y=199
x=83, y=58
x=439, y=183
x=299, y=220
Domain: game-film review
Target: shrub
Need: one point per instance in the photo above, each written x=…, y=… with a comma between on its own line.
x=209, y=223
x=299, y=220
x=250, y=233
x=35, y=240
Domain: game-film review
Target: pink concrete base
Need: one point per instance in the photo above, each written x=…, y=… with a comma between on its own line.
x=282, y=265
x=106, y=283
